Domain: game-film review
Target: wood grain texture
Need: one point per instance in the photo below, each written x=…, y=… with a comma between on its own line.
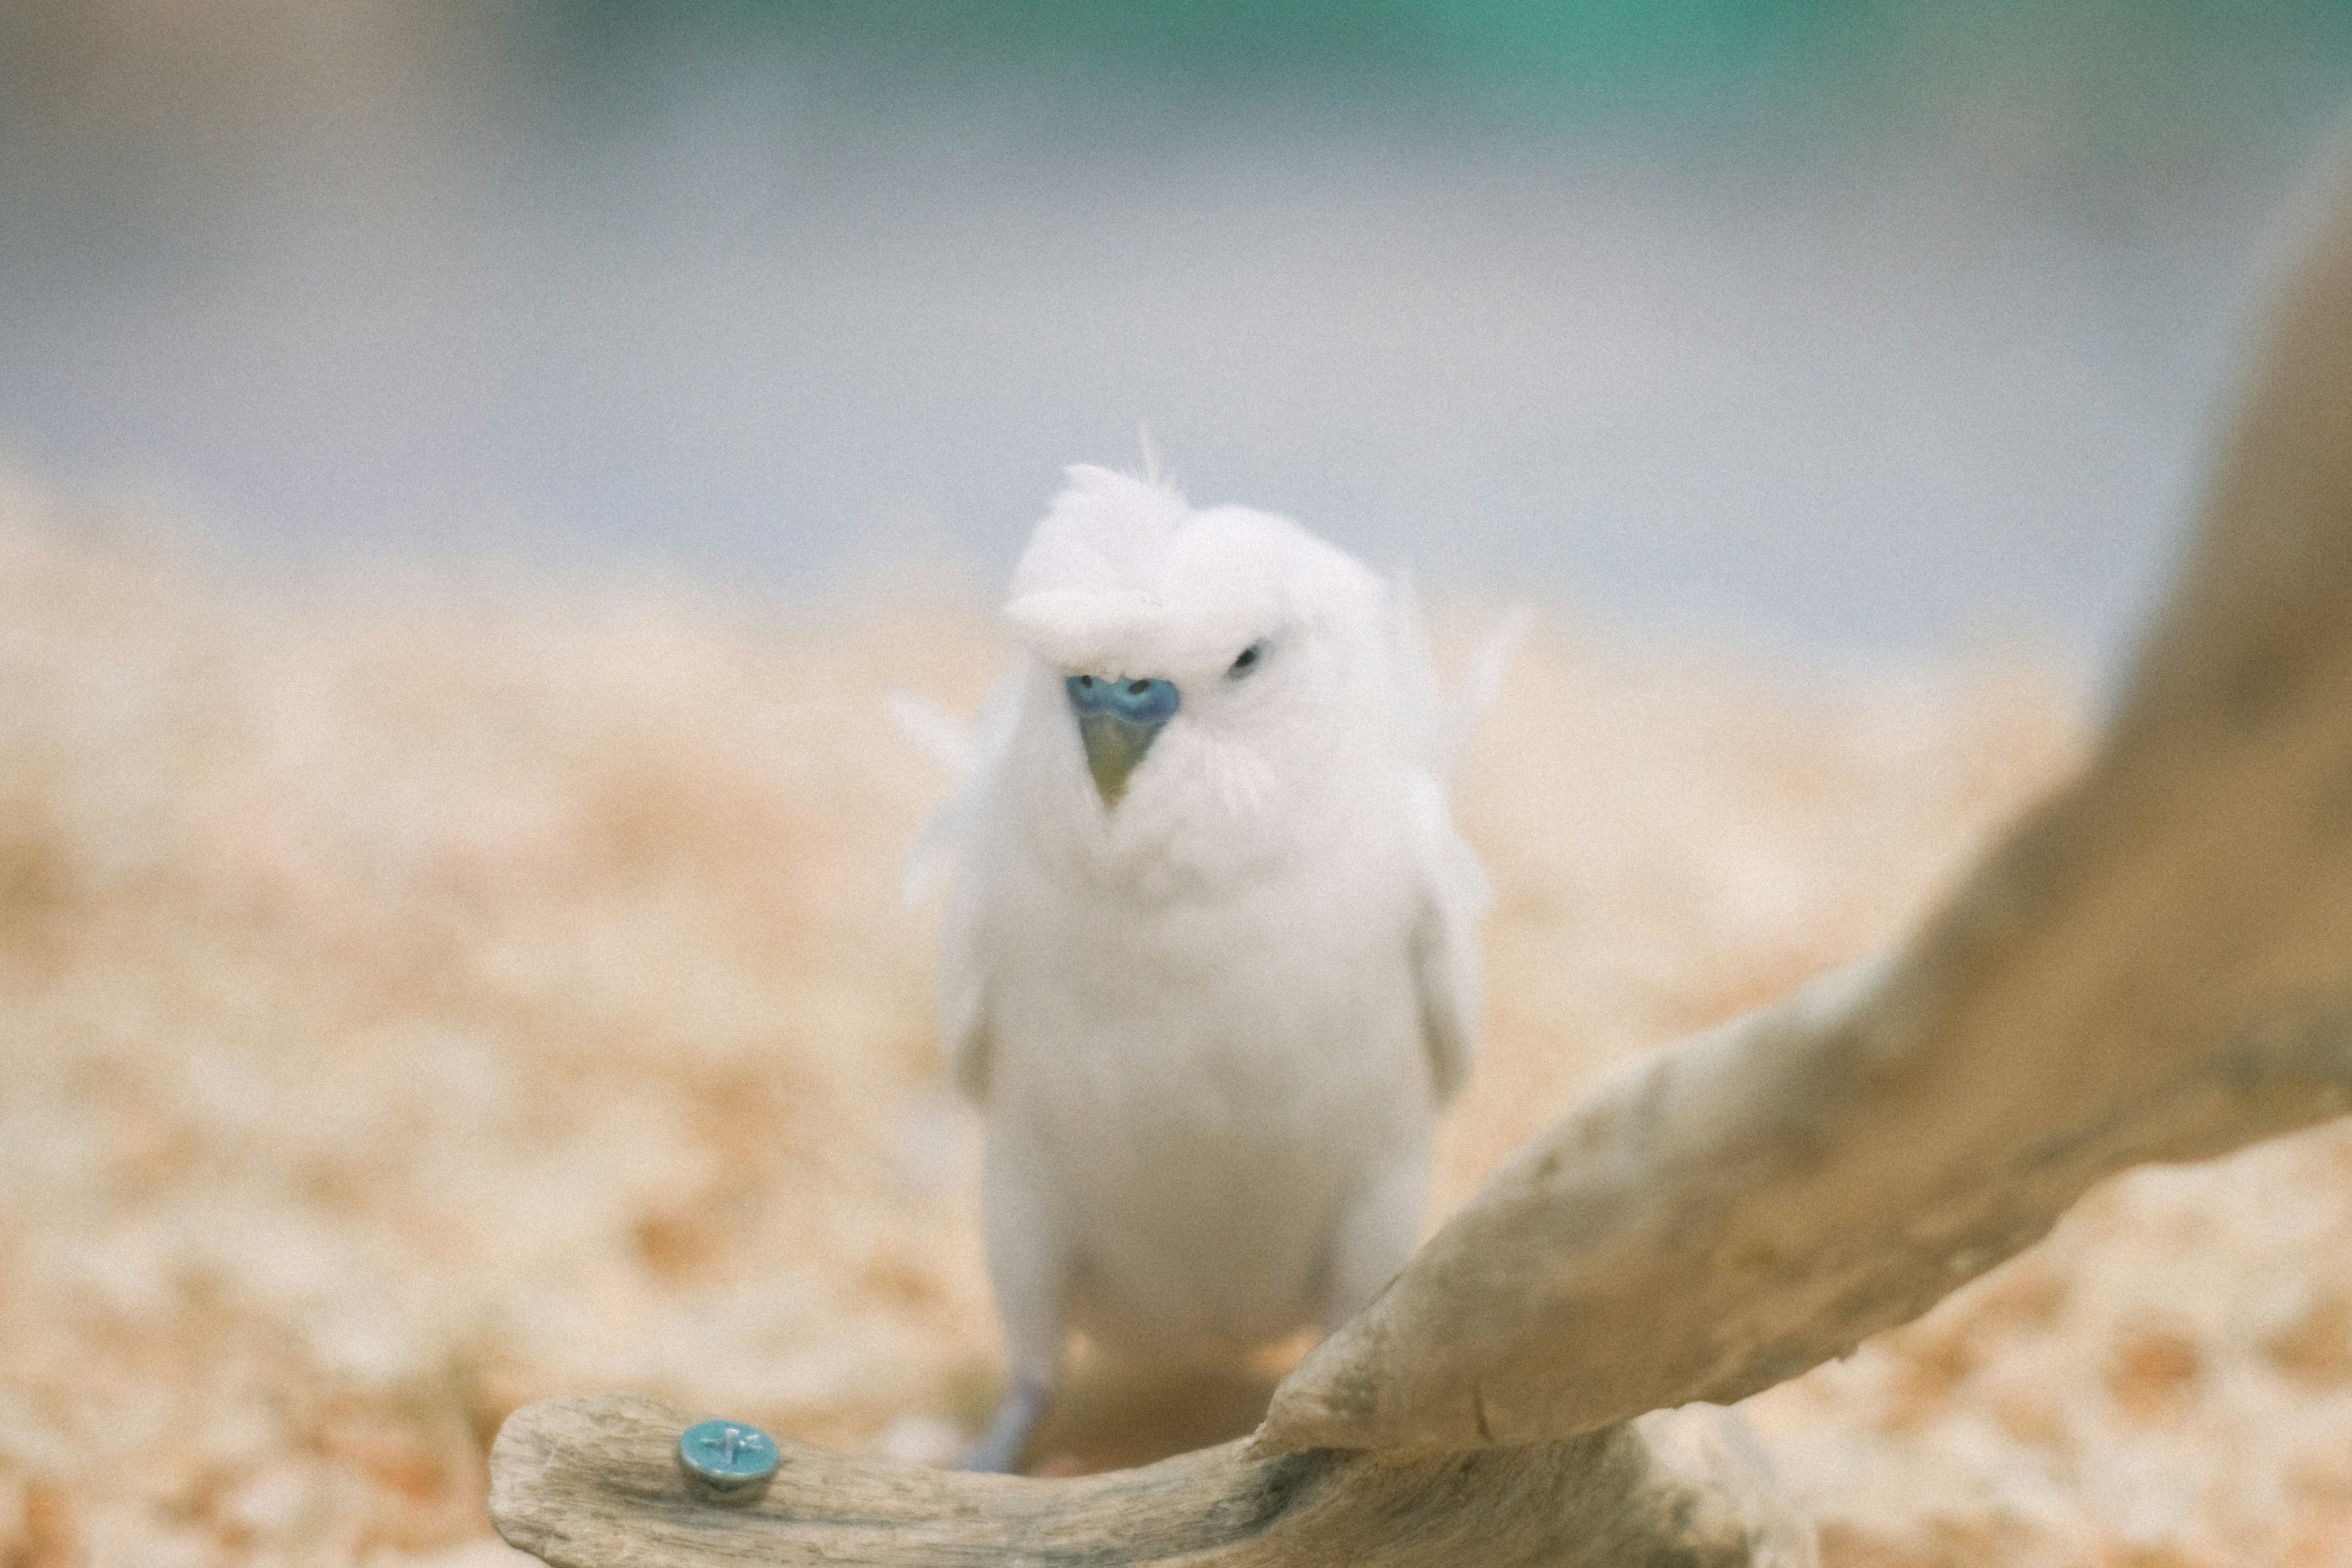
x=592, y=1483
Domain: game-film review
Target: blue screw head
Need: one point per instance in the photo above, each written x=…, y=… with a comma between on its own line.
x=727, y=1461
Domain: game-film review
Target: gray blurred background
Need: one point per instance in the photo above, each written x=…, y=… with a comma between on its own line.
x=1859, y=327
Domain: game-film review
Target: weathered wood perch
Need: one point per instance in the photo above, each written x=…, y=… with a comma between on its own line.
x=593, y=1482
x=2156, y=964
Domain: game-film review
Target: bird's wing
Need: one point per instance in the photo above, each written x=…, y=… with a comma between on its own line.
x=1437, y=723
x=1453, y=894
x=938, y=733
x=968, y=754
x=963, y=996
x=1434, y=725
x=946, y=841
x=1490, y=662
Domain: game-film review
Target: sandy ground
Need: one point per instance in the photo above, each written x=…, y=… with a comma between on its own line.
x=419, y=997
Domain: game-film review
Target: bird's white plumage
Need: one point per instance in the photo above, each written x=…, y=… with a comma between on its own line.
x=1209, y=1026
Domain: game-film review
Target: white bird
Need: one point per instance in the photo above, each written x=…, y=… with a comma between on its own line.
x=1208, y=961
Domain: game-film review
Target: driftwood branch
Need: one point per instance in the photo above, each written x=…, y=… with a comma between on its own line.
x=2154, y=965
x=594, y=1483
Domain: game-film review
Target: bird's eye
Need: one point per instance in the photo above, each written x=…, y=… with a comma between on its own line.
x=1246, y=660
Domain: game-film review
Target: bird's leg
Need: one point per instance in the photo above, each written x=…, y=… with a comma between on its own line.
x=1374, y=1236
x=1027, y=1271
x=998, y=1452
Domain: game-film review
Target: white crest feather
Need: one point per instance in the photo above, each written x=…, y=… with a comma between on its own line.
x=1154, y=472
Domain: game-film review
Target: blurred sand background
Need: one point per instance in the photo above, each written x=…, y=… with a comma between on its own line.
x=420, y=997
x=449, y=945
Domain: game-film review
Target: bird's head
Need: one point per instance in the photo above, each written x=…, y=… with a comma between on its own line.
x=1209, y=657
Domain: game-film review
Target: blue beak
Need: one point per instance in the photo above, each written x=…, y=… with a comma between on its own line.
x=1116, y=719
